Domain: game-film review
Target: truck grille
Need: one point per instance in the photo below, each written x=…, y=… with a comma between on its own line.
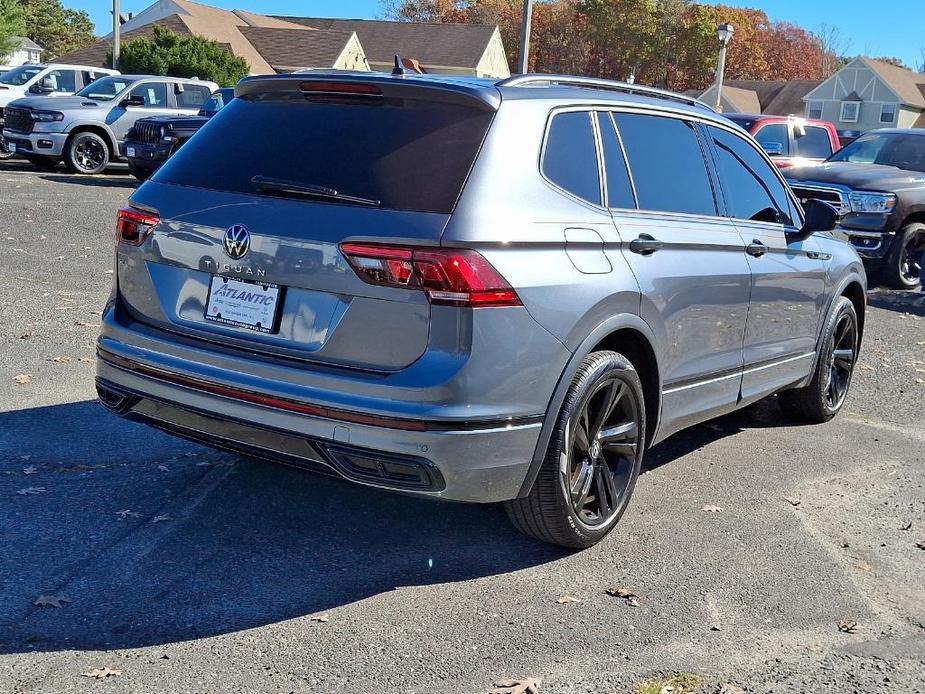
x=147, y=133
x=18, y=119
x=833, y=196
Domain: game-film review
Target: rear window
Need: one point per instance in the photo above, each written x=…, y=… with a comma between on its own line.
x=814, y=144
x=410, y=154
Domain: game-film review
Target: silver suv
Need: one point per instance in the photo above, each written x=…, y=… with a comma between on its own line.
x=85, y=130
x=473, y=290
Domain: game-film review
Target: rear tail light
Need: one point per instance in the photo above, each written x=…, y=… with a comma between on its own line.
x=133, y=226
x=448, y=276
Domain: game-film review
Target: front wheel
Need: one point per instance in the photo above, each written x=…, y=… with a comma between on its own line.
x=824, y=396
x=903, y=264
x=86, y=153
x=593, y=458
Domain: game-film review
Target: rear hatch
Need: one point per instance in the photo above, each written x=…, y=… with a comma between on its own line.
x=253, y=209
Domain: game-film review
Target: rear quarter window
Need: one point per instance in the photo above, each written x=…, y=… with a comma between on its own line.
x=570, y=156
x=410, y=154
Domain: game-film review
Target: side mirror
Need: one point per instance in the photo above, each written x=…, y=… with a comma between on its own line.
x=819, y=216
x=43, y=86
x=132, y=101
x=773, y=149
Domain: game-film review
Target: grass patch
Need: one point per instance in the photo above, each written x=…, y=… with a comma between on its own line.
x=672, y=683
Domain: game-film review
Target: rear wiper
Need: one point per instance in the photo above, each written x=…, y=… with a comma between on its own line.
x=265, y=184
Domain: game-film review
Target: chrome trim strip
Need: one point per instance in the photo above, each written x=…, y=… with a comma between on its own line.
x=737, y=374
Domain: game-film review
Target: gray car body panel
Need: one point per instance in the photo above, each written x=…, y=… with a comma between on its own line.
x=725, y=328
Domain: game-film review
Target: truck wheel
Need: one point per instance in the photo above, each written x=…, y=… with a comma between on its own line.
x=593, y=458
x=140, y=172
x=86, y=153
x=903, y=264
x=824, y=396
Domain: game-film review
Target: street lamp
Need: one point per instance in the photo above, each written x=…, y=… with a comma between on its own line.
x=523, y=58
x=724, y=33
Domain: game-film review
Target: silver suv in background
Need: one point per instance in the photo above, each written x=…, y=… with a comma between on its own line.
x=85, y=130
x=473, y=290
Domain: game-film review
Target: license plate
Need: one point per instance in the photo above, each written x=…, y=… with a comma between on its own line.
x=11, y=147
x=243, y=304
x=130, y=151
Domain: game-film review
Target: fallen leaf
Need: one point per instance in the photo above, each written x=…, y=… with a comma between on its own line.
x=28, y=491
x=125, y=513
x=22, y=379
x=50, y=600
x=731, y=689
x=848, y=626
x=321, y=618
x=31, y=470
x=920, y=545
x=712, y=509
x=59, y=360
x=868, y=367
x=101, y=673
x=161, y=519
x=906, y=526
x=525, y=685
x=86, y=360
x=85, y=324
x=621, y=592
x=565, y=599
x=632, y=602
x=792, y=500
x=26, y=336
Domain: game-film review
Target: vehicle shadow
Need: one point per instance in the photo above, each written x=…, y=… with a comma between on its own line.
x=244, y=543
x=107, y=180
x=897, y=300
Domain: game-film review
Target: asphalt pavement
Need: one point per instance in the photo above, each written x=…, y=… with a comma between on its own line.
x=189, y=570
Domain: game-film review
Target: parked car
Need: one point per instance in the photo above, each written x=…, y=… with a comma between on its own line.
x=86, y=129
x=48, y=79
x=788, y=140
x=523, y=285
x=151, y=141
x=878, y=183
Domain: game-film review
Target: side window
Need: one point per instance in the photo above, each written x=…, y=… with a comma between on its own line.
x=570, y=158
x=619, y=188
x=813, y=143
x=193, y=96
x=153, y=93
x=63, y=80
x=667, y=164
x=773, y=135
x=753, y=189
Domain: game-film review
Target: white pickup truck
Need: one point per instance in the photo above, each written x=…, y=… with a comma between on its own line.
x=47, y=79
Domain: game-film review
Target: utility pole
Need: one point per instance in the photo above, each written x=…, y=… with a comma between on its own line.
x=523, y=60
x=116, y=27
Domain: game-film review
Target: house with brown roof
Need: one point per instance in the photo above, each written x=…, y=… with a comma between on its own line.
x=867, y=94
x=284, y=44
x=768, y=97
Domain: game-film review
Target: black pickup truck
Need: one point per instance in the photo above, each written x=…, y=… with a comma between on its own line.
x=878, y=184
x=151, y=141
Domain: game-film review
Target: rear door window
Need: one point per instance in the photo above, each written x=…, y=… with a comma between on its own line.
x=193, y=96
x=667, y=164
x=410, y=154
x=570, y=156
x=752, y=187
x=63, y=80
x=619, y=187
x=775, y=134
x=814, y=143
x=153, y=93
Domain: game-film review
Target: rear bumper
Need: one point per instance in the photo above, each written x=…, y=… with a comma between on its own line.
x=479, y=458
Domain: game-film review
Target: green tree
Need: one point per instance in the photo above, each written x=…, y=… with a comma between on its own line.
x=896, y=62
x=11, y=24
x=57, y=29
x=168, y=53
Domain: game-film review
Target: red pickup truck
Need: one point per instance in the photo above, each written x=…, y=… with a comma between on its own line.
x=789, y=140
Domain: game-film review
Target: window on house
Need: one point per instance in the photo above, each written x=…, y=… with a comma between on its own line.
x=814, y=110
x=888, y=113
x=850, y=111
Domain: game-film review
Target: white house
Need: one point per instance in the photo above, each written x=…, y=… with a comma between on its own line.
x=28, y=51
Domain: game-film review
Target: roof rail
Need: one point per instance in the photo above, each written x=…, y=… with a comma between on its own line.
x=597, y=83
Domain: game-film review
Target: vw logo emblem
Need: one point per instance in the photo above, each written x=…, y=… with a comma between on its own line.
x=237, y=242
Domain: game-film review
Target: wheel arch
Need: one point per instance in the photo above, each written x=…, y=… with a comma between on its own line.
x=633, y=338
x=96, y=129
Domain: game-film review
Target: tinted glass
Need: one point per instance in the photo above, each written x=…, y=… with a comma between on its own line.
x=410, y=154
x=217, y=101
x=619, y=188
x=667, y=164
x=154, y=94
x=752, y=187
x=193, y=96
x=20, y=75
x=775, y=134
x=902, y=150
x=63, y=80
x=570, y=158
x=105, y=89
x=744, y=122
x=814, y=143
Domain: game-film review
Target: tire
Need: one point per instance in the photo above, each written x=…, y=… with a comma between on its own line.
x=564, y=505
x=902, y=267
x=43, y=163
x=822, y=399
x=86, y=153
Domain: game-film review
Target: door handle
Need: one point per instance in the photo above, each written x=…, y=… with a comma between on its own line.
x=645, y=245
x=756, y=248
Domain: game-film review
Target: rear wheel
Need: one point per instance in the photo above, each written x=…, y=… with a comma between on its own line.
x=86, y=153
x=903, y=264
x=824, y=396
x=593, y=458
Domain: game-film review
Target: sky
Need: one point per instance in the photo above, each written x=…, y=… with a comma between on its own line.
x=895, y=30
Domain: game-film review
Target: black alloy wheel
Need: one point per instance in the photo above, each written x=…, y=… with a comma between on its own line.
x=841, y=360
x=902, y=267
x=910, y=259
x=87, y=153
